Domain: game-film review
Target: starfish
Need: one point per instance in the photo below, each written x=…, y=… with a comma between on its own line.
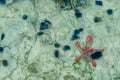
x=88, y=52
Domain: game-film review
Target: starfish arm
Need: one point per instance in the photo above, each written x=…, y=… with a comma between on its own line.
x=77, y=59
x=89, y=41
x=99, y=50
x=92, y=61
x=90, y=51
x=77, y=44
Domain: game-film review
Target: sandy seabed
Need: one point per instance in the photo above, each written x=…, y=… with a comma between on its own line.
x=31, y=57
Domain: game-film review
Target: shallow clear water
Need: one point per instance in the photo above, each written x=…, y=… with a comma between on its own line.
x=31, y=29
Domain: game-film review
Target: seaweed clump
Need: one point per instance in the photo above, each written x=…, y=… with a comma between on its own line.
x=71, y=4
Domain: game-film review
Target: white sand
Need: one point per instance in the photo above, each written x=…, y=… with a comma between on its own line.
x=31, y=57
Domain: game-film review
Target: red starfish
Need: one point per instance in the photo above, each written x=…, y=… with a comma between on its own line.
x=87, y=50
